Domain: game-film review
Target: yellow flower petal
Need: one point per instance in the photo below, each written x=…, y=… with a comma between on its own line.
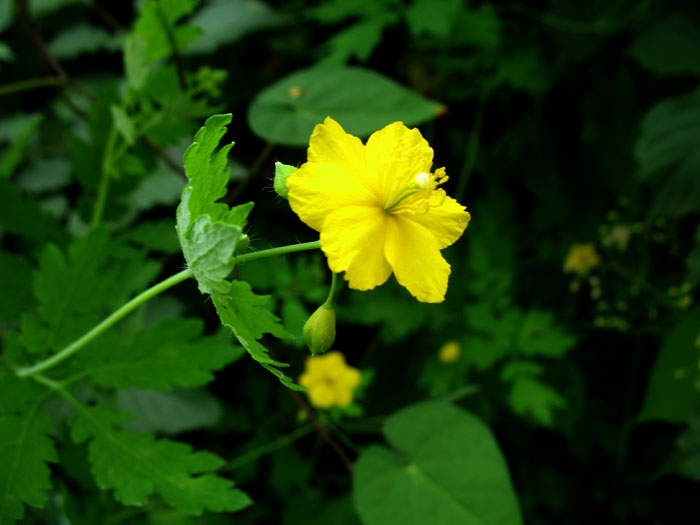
x=414, y=254
x=446, y=218
x=315, y=190
x=397, y=154
x=353, y=239
x=330, y=143
x=349, y=378
x=322, y=396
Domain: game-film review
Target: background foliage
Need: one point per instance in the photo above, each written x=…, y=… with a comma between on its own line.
x=574, y=397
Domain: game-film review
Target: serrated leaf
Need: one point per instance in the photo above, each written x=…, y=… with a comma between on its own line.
x=362, y=101
x=15, y=283
x=538, y=335
x=25, y=448
x=65, y=287
x=158, y=19
x=445, y=468
x=531, y=397
x=22, y=215
x=246, y=314
x=171, y=354
x=209, y=231
x=357, y=41
x=136, y=465
x=672, y=393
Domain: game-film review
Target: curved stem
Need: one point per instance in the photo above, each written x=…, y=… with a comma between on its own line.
x=104, y=325
x=278, y=251
x=331, y=293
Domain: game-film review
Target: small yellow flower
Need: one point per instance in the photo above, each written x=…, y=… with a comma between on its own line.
x=330, y=380
x=378, y=208
x=581, y=259
x=449, y=352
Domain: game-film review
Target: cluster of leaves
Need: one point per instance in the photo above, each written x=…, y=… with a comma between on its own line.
x=565, y=385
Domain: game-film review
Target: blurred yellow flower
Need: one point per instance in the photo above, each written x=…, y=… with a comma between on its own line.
x=449, y=352
x=581, y=259
x=378, y=208
x=330, y=380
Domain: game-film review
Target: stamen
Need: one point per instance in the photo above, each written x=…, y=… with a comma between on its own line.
x=422, y=179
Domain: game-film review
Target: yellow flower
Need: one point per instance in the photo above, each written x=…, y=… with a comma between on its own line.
x=581, y=259
x=330, y=381
x=378, y=208
x=449, y=352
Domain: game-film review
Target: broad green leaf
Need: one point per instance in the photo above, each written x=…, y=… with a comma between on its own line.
x=667, y=150
x=673, y=393
x=169, y=412
x=136, y=62
x=136, y=465
x=432, y=17
x=247, y=315
x=25, y=448
x=670, y=46
x=445, y=468
x=363, y=101
x=209, y=231
x=171, y=354
x=12, y=156
x=44, y=175
x=226, y=21
x=82, y=39
x=22, y=215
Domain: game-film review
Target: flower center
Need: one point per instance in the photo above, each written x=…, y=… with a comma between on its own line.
x=423, y=184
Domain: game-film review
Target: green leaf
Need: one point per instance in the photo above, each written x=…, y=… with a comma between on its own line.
x=157, y=23
x=670, y=46
x=65, y=286
x=693, y=261
x=123, y=123
x=445, y=468
x=25, y=448
x=539, y=335
x=22, y=215
x=362, y=101
x=673, y=393
x=15, y=283
x=246, y=314
x=12, y=156
x=667, y=151
x=169, y=412
x=171, y=354
x=136, y=465
x=209, y=231
x=136, y=62
x=357, y=41
x=226, y=21
x=82, y=39
x=159, y=236
x=432, y=17
x=531, y=397
x=688, y=449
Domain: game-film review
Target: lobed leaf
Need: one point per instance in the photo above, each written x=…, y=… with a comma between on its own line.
x=136, y=465
x=209, y=231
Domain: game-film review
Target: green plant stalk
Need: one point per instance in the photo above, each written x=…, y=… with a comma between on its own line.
x=144, y=296
x=105, y=324
x=31, y=83
x=99, y=209
x=331, y=293
x=472, y=150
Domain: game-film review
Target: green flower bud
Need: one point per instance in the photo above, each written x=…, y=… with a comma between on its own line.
x=319, y=330
x=243, y=242
x=282, y=172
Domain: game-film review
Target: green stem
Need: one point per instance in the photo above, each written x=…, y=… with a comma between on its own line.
x=31, y=83
x=268, y=448
x=331, y=293
x=278, y=251
x=104, y=325
x=104, y=178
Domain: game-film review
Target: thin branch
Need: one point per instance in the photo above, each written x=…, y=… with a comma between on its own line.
x=106, y=16
x=155, y=148
x=31, y=83
x=322, y=430
x=43, y=50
